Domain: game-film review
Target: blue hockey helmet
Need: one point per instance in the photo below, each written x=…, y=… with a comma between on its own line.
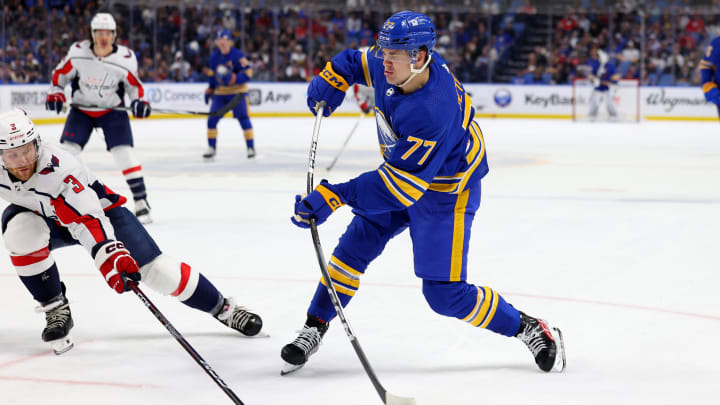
x=409, y=31
x=224, y=34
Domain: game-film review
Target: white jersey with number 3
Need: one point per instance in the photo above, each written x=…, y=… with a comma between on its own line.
x=63, y=190
x=98, y=81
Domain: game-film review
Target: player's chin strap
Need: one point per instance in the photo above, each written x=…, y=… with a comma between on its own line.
x=415, y=72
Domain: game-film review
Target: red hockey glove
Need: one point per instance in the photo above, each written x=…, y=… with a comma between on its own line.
x=116, y=264
x=54, y=102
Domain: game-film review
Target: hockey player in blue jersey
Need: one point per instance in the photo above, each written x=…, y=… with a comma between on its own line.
x=434, y=158
x=230, y=73
x=603, y=77
x=710, y=74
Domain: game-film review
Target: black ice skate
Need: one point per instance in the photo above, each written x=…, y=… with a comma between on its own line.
x=545, y=343
x=209, y=153
x=142, y=211
x=59, y=322
x=296, y=354
x=239, y=318
x=250, y=153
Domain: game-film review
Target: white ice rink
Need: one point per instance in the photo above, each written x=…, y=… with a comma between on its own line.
x=609, y=231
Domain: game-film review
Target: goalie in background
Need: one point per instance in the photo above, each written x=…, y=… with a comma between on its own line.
x=55, y=201
x=101, y=73
x=604, y=78
x=710, y=74
x=230, y=73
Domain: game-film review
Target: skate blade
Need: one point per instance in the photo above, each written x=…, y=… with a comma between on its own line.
x=560, y=361
x=259, y=335
x=62, y=345
x=289, y=368
x=145, y=219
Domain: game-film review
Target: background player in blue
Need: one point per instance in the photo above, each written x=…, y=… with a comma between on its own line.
x=229, y=74
x=603, y=76
x=710, y=74
x=434, y=157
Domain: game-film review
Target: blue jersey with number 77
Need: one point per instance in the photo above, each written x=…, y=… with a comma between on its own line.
x=428, y=138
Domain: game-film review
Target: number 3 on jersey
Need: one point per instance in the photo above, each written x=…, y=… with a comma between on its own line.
x=77, y=187
x=418, y=143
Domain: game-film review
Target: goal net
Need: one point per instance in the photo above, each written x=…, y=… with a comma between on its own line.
x=625, y=97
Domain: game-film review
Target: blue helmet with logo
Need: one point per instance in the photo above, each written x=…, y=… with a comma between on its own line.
x=408, y=30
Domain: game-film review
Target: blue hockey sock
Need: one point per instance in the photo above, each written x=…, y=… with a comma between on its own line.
x=206, y=297
x=44, y=286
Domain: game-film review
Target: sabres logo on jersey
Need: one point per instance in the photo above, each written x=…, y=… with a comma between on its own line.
x=54, y=162
x=386, y=136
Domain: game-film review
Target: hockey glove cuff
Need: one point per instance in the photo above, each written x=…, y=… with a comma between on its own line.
x=116, y=265
x=319, y=204
x=329, y=87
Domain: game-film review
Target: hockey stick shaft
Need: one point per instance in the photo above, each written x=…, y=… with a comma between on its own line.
x=386, y=397
x=342, y=148
x=184, y=343
x=219, y=113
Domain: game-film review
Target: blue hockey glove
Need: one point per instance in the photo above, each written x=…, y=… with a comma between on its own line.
x=329, y=87
x=713, y=96
x=208, y=95
x=140, y=108
x=319, y=204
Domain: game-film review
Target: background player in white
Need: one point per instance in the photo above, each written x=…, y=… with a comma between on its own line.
x=100, y=74
x=55, y=202
x=603, y=78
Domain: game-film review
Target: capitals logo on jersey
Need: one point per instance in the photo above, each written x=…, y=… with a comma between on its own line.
x=386, y=136
x=54, y=162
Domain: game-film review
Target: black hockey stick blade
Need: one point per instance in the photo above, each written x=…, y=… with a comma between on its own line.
x=184, y=343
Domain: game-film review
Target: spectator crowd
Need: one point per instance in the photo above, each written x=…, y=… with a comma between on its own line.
x=291, y=41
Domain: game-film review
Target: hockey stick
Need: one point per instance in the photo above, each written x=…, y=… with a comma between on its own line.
x=219, y=113
x=342, y=148
x=164, y=321
x=387, y=398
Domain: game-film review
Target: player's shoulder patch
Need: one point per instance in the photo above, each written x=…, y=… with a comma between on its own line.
x=50, y=167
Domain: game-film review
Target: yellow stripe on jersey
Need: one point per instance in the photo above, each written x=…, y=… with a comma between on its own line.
x=343, y=278
x=458, y=239
x=420, y=183
x=477, y=137
x=706, y=65
x=340, y=288
x=472, y=313
x=338, y=263
x=444, y=187
x=404, y=201
x=708, y=86
x=468, y=108
x=487, y=308
x=366, y=70
x=408, y=189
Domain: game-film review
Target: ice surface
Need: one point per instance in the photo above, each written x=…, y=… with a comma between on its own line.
x=609, y=231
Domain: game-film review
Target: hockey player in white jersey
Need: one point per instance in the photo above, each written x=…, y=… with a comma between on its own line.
x=55, y=202
x=100, y=73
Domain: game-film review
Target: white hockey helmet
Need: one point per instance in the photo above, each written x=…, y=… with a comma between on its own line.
x=103, y=21
x=16, y=130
